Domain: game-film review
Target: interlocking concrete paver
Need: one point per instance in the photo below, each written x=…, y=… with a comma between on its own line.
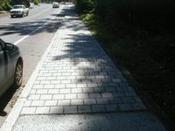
x=28, y=110
x=34, y=97
x=76, y=102
x=46, y=97
x=58, y=96
x=70, y=109
x=56, y=110
x=84, y=109
x=42, y=110
x=37, y=103
x=51, y=103
x=98, y=108
x=78, y=77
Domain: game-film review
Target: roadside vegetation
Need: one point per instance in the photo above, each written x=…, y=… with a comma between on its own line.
x=140, y=36
x=5, y=4
x=36, y=2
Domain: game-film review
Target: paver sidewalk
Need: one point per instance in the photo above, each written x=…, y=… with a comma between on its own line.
x=77, y=77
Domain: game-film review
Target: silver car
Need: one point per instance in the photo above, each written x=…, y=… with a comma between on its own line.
x=19, y=10
x=11, y=66
x=55, y=5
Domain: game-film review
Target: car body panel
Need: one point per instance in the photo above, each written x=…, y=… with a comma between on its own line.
x=2, y=69
x=9, y=55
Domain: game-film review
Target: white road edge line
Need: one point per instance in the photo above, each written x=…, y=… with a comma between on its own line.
x=17, y=42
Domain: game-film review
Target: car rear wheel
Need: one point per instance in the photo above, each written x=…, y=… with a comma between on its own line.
x=18, y=74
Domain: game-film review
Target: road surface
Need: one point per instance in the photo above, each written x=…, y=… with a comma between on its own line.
x=32, y=34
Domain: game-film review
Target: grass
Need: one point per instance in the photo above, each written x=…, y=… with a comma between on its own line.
x=147, y=54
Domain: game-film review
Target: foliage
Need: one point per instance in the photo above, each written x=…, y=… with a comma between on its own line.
x=47, y=1
x=5, y=4
x=26, y=3
x=36, y=2
x=85, y=5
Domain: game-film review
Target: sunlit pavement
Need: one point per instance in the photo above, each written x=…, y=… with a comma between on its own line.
x=77, y=87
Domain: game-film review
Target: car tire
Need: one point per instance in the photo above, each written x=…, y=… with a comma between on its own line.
x=12, y=16
x=18, y=77
x=22, y=15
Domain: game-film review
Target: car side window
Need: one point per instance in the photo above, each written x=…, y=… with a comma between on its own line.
x=0, y=46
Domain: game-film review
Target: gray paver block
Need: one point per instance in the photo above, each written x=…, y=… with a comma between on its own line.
x=27, y=103
x=41, y=91
x=65, y=91
x=125, y=107
x=98, y=108
x=51, y=103
x=56, y=110
x=84, y=109
x=89, y=101
x=53, y=91
x=34, y=97
x=95, y=95
x=76, y=102
x=38, y=86
x=103, y=101
x=58, y=96
x=28, y=110
x=46, y=97
x=111, y=107
x=64, y=102
x=70, y=109
x=42, y=110
x=70, y=96
x=37, y=103
x=107, y=95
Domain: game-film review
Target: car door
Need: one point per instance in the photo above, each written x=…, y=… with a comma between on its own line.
x=3, y=71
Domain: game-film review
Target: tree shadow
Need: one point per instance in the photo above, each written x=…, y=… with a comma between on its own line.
x=25, y=28
x=101, y=85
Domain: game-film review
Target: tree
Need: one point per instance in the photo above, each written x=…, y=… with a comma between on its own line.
x=36, y=2
x=5, y=4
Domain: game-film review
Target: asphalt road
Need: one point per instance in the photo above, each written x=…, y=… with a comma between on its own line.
x=32, y=34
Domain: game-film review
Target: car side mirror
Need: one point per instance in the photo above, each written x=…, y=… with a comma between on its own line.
x=8, y=46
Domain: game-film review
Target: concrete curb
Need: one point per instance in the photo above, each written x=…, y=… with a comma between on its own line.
x=14, y=114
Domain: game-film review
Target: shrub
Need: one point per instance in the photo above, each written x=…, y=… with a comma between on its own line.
x=84, y=6
x=36, y=2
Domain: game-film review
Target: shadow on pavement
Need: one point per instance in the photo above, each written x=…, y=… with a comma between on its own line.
x=5, y=98
x=107, y=90
x=27, y=27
